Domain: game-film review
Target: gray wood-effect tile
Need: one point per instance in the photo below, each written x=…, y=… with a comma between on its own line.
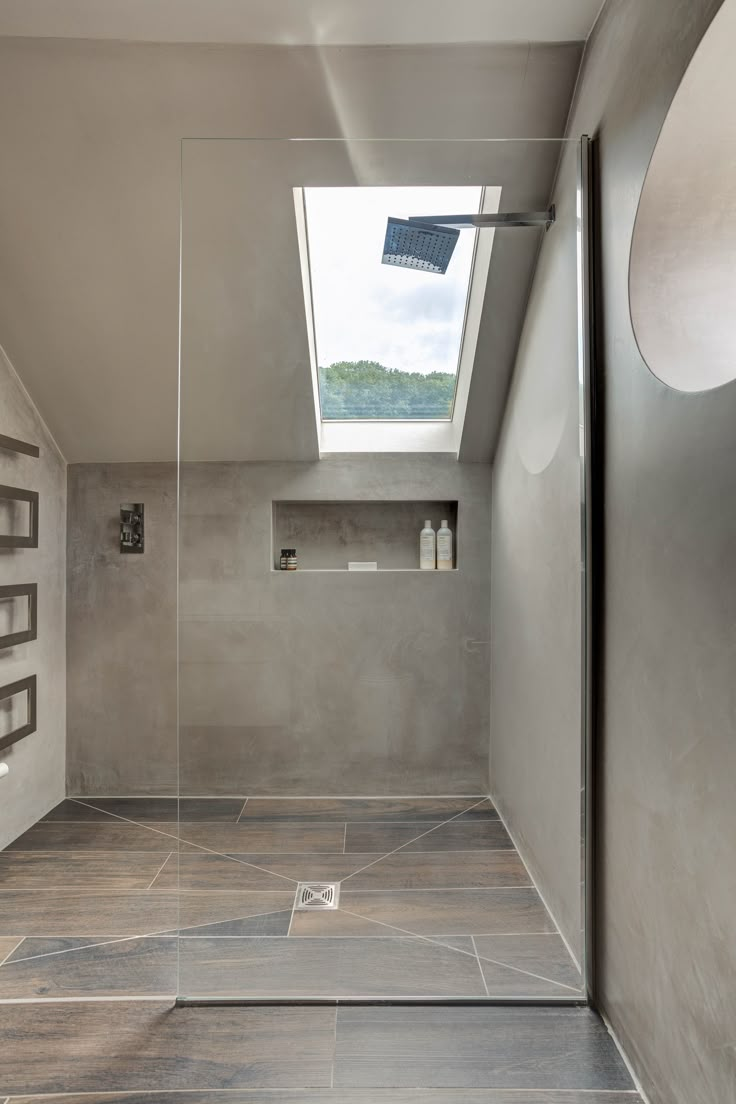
x=133, y=967
x=130, y=1046
x=8, y=947
x=77, y=870
x=441, y=870
x=268, y=923
x=457, y=835
x=343, y=1096
x=201, y=871
x=153, y=809
x=258, y=836
x=311, y=868
x=71, y=913
x=461, y=911
x=386, y=810
x=523, y=1048
x=66, y=913
x=544, y=955
x=281, y=968
x=106, y=835
x=197, y=909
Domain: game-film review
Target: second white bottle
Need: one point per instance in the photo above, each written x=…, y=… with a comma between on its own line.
x=427, y=548
x=444, y=548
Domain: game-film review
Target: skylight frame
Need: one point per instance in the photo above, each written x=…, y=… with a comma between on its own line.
x=385, y=435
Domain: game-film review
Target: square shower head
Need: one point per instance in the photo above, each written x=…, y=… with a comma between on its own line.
x=418, y=245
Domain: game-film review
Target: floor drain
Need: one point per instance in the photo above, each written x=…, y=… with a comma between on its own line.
x=317, y=895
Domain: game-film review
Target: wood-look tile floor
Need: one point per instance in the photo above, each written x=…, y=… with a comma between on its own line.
x=133, y=1052
x=434, y=902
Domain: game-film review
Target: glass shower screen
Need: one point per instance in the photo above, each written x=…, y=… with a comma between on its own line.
x=380, y=765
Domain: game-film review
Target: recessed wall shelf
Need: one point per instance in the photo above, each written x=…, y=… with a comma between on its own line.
x=327, y=535
x=27, y=686
x=21, y=540
x=30, y=592
x=379, y=571
x=12, y=444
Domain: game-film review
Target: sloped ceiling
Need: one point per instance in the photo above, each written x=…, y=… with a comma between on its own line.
x=302, y=22
x=89, y=224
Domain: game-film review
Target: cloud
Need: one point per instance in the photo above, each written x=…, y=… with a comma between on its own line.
x=365, y=310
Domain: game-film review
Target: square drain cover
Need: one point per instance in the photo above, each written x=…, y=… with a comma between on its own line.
x=317, y=895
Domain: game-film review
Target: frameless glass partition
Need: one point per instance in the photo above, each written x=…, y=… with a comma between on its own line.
x=381, y=629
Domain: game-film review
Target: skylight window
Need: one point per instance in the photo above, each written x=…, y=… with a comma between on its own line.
x=388, y=340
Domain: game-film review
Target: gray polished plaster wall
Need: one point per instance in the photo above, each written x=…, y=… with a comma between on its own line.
x=305, y=683
x=535, y=581
x=667, y=815
x=35, y=782
x=121, y=633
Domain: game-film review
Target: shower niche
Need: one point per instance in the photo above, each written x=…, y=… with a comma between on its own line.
x=328, y=535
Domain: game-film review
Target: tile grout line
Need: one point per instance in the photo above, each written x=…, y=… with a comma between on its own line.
x=173, y=933
x=541, y=896
x=296, y=1093
x=405, y=932
x=241, y=811
x=345, y=839
x=291, y=919
x=420, y=836
x=459, y=950
x=334, y=1054
x=233, y=855
x=477, y=959
x=155, y=876
x=200, y=846
x=12, y=949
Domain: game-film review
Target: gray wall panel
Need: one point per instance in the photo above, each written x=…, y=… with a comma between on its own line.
x=535, y=589
x=667, y=909
x=309, y=683
x=36, y=779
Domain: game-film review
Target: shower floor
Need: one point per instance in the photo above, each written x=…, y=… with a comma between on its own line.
x=434, y=902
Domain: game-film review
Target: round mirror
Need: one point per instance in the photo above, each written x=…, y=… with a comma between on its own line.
x=682, y=280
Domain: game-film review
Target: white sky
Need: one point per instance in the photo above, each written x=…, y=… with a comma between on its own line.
x=365, y=310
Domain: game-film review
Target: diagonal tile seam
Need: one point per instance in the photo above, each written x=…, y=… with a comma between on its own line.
x=420, y=836
x=458, y=950
x=141, y=935
x=480, y=968
x=172, y=932
x=241, y=811
x=160, y=869
x=12, y=949
x=180, y=839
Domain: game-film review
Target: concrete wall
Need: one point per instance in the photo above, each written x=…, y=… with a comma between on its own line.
x=667, y=954
x=535, y=581
x=36, y=779
x=324, y=683
x=121, y=633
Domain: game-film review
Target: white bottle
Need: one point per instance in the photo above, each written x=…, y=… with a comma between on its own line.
x=427, y=548
x=444, y=548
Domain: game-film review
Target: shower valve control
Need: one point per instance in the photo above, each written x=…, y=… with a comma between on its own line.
x=131, y=527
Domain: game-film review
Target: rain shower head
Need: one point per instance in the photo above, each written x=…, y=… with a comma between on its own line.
x=413, y=244
x=427, y=242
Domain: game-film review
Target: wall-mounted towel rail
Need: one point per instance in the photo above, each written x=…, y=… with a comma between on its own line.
x=12, y=444
x=27, y=685
x=23, y=540
x=21, y=590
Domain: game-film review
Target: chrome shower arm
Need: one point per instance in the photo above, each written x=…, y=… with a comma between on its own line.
x=465, y=222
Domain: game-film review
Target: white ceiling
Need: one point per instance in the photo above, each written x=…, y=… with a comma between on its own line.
x=295, y=22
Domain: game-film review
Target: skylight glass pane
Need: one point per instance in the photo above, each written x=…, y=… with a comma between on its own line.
x=388, y=339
